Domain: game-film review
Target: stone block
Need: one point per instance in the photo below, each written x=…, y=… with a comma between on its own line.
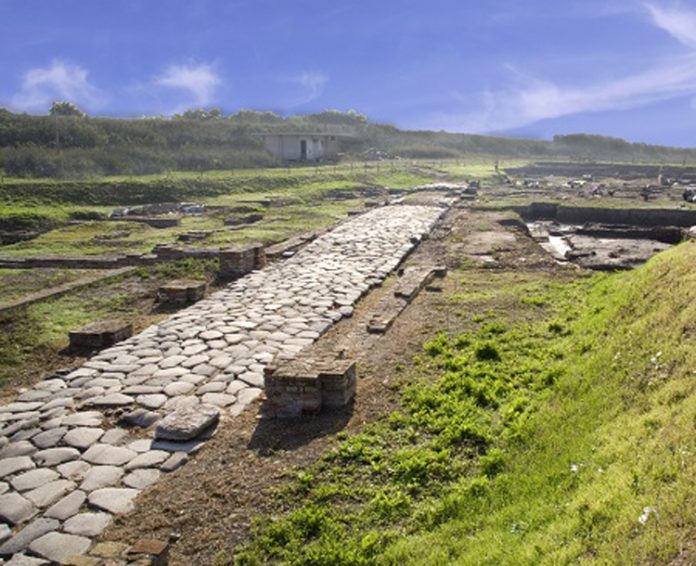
x=181, y=291
x=100, y=334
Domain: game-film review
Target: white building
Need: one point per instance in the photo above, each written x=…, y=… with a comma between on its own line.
x=294, y=146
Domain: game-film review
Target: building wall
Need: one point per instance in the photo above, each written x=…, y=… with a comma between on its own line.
x=289, y=147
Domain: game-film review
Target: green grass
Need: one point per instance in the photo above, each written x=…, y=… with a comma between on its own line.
x=36, y=333
x=32, y=337
x=535, y=439
x=17, y=283
x=309, y=188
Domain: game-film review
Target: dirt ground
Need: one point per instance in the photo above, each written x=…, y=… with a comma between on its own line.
x=207, y=505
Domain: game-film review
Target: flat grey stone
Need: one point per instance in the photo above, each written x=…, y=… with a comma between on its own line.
x=49, y=493
x=33, y=479
x=221, y=362
x=169, y=373
x=68, y=506
x=55, y=456
x=21, y=407
x=148, y=459
x=114, y=500
x=246, y=396
x=139, y=446
x=15, y=509
x=19, y=448
x=24, y=424
x=181, y=402
x=142, y=390
x=142, y=478
x=105, y=454
x=235, y=387
x=193, y=378
x=114, y=436
x=13, y=465
x=50, y=438
x=174, y=461
x=178, y=388
x=187, y=446
x=84, y=418
x=151, y=401
x=218, y=399
x=171, y=361
x=74, y=470
x=35, y=529
x=187, y=423
x=87, y=524
x=5, y=532
x=204, y=370
x=56, y=547
x=211, y=335
x=213, y=387
x=141, y=418
x=101, y=476
x=252, y=378
x=83, y=437
x=110, y=400
x=194, y=361
x=25, y=434
x=34, y=395
x=24, y=560
x=57, y=403
x=4, y=487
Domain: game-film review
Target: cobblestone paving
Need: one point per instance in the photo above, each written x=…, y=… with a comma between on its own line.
x=67, y=466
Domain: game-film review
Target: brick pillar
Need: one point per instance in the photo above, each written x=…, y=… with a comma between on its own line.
x=236, y=262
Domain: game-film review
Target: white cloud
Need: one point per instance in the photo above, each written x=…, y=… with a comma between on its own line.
x=200, y=80
x=59, y=81
x=531, y=99
x=678, y=22
x=313, y=83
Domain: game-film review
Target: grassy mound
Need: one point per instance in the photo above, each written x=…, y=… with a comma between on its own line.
x=566, y=436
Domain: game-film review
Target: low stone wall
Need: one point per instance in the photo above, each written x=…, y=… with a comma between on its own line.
x=303, y=387
x=632, y=216
x=155, y=222
x=235, y=262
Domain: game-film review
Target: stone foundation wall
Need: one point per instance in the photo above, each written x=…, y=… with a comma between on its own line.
x=236, y=262
x=304, y=387
x=603, y=215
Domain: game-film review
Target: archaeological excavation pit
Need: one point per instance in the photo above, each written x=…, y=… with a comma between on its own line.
x=606, y=238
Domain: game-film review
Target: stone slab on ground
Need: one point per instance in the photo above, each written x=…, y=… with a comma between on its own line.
x=56, y=547
x=187, y=423
x=114, y=500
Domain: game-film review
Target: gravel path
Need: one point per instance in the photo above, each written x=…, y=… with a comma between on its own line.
x=67, y=465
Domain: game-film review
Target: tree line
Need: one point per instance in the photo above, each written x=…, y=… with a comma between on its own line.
x=68, y=143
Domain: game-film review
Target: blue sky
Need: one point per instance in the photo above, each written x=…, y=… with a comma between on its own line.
x=528, y=68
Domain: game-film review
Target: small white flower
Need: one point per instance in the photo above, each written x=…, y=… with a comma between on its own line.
x=647, y=511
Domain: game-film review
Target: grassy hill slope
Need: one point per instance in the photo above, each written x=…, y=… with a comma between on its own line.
x=557, y=430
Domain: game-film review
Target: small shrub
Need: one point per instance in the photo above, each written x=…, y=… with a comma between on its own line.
x=487, y=352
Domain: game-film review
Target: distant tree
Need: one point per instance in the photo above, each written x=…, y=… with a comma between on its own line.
x=200, y=114
x=254, y=117
x=351, y=118
x=64, y=108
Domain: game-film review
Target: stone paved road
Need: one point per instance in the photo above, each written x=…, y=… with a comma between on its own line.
x=66, y=469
